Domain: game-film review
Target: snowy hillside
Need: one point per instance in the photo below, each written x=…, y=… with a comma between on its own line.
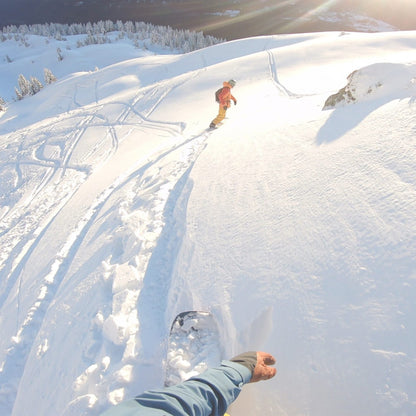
x=295, y=227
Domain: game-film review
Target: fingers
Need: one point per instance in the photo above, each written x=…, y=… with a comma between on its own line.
x=267, y=358
x=262, y=371
x=268, y=373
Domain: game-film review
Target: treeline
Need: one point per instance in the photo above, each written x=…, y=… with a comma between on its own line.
x=141, y=34
x=97, y=33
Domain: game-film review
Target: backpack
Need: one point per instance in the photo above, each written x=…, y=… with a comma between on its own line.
x=217, y=94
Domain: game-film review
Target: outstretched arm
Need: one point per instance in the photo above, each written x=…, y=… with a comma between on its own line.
x=207, y=394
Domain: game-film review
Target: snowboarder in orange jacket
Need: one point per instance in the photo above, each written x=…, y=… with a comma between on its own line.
x=224, y=97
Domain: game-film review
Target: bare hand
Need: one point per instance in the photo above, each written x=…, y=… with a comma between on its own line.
x=262, y=371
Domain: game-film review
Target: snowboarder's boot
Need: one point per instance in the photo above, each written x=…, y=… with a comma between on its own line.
x=212, y=126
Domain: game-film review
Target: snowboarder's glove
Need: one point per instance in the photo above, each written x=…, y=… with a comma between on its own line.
x=225, y=107
x=258, y=363
x=235, y=102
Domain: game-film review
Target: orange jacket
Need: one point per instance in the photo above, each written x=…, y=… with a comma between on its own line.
x=225, y=95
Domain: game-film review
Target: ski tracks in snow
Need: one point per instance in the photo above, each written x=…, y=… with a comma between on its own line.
x=41, y=183
x=57, y=163
x=274, y=76
x=140, y=277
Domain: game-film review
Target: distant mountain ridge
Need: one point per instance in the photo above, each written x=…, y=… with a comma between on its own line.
x=227, y=19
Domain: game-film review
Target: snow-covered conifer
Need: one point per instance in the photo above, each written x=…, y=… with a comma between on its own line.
x=109, y=26
x=200, y=40
x=19, y=95
x=129, y=28
x=48, y=76
x=99, y=28
x=27, y=87
x=88, y=28
x=165, y=36
x=60, y=56
x=24, y=29
x=35, y=85
x=120, y=26
x=2, y=105
x=90, y=40
x=24, y=86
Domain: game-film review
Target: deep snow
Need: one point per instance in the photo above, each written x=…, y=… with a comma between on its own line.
x=295, y=227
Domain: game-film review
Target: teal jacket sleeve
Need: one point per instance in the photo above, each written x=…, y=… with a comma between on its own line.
x=207, y=394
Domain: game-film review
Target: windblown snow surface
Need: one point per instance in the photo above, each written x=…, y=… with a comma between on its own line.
x=294, y=226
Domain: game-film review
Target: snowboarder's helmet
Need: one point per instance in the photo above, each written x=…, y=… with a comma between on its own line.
x=232, y=82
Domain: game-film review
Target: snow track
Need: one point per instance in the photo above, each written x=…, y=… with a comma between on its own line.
x=274, y=76
x=149, y=258
x=65, y=164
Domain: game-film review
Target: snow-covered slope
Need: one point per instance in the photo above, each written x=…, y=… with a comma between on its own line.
x=295, y=227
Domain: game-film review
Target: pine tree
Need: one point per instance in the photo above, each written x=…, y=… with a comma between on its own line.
x=24, y=86
x=2, y=105
x=18, y=94
x=48, y=76
x=60, y=56
x=35, y=85
x=164, y=36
